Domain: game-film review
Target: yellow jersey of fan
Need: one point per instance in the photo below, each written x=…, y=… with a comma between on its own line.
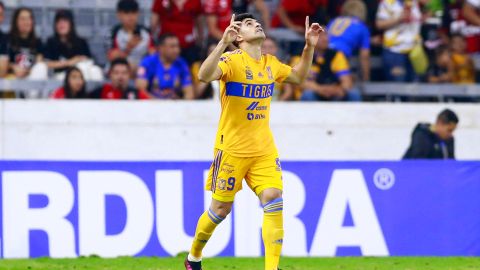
x=246, y=88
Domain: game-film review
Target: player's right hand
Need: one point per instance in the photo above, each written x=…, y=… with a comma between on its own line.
x=231, y=32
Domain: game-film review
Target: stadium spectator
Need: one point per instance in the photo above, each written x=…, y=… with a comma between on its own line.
x=74, y=85
x=282, y=91
x=204, y=90
x=349, y=34
x=330, y=77
x=470, y=11
x=401, y=22
x=3, y=45
x=118, y=87
x=129, y=39
x=25, y=50
x=441, y=71
x=291, y=14
x=66, y=49
x=182, y=18
x=165, y=74
x=218, y=14
x=243, y=6
x=434, y=141
x=463, y=67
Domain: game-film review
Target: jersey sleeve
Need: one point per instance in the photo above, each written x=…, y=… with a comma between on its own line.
x=224, y=64
x=340, y=65
x=282, y=70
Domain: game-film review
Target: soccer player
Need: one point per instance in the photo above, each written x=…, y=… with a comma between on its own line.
x=244, y=146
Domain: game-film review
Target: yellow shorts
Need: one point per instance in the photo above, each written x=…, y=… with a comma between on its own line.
x=227, y=173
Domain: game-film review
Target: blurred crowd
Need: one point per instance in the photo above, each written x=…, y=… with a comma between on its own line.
x=433, y=41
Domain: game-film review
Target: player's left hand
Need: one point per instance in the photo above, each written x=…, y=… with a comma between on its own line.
x=312, y=32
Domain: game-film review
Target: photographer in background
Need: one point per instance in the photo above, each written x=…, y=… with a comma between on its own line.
x=434, y=141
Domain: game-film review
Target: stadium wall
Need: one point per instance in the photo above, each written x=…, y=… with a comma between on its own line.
x=179, y=131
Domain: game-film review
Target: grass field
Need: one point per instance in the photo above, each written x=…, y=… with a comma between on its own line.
x=345, y=263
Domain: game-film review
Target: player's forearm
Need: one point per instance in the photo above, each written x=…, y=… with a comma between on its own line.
x=206, y=73
x=303, y=67
x=365, y=64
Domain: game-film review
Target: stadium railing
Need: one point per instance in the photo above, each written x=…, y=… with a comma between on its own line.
x=388, y=90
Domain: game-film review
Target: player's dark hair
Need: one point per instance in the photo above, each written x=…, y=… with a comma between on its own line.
x=68, y=89
x=447, y=116
x=119, y=61
x=456, y=35
x=239, y=18
x=127, y=6
x=164, y=37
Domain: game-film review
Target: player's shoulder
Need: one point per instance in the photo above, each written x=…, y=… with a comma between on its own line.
x=231, y=56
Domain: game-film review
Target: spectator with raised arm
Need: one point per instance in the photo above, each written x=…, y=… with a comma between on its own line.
x=165, y=75
x=66, y=49
x=189, y=29
x=129, y=39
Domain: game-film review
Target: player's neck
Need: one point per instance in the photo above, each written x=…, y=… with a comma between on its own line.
x=253, y=50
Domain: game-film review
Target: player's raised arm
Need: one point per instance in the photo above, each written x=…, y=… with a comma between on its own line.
x=300, y=71
x=209, y=70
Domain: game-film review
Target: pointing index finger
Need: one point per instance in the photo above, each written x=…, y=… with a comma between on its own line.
x=307, y=22
x=232, y=19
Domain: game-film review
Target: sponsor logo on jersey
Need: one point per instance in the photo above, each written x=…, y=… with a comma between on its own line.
x=255, y=116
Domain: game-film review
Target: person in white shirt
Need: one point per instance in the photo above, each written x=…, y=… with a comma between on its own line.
x=400, y=20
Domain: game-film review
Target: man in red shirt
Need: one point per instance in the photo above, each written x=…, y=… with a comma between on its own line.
x=118, y=88
x=181, y=18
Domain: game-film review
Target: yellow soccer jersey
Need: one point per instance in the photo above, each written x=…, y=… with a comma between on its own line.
x=246, y=88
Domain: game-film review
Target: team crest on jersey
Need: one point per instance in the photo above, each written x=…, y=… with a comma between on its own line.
x=249, y=73
x=221, y=184
x=269, y=72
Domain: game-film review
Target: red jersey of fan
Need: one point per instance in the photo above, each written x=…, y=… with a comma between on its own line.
x=178, y=18
x=107, y=91
x=58, y=94
x=222, y=9
x=297, y=10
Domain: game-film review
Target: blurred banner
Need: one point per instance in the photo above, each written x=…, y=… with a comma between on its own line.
x=68, y=209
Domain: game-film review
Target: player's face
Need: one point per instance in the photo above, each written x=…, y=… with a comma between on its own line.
x=120, y=75
x=445, y=131
x=251, y=30
x=170, y=49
